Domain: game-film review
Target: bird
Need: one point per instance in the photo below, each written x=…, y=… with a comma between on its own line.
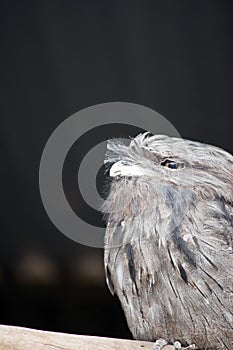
x=168, y=250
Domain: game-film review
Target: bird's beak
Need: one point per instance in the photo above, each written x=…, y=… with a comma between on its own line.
x=122, y=169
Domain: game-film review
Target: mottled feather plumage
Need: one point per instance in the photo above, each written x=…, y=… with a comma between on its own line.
x=169, y=240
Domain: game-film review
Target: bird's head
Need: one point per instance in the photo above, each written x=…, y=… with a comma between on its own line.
x=171, y=162
x=155, y=179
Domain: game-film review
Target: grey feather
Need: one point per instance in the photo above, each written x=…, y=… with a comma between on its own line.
x=169, y=239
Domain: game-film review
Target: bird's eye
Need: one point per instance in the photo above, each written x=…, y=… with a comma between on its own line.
x=171, y=164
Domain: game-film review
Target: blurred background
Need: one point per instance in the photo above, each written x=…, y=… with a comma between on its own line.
x=58, y=57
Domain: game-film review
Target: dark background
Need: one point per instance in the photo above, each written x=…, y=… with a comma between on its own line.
x=58, y=57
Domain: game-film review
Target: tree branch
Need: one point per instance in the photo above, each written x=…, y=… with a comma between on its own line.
x=19, y=338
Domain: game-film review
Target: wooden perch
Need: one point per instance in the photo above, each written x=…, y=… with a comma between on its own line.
x=18, y=338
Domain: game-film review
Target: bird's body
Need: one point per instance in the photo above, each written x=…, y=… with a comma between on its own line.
x=169, y=239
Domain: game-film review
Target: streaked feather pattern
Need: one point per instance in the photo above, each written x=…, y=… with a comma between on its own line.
x=169, y=240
